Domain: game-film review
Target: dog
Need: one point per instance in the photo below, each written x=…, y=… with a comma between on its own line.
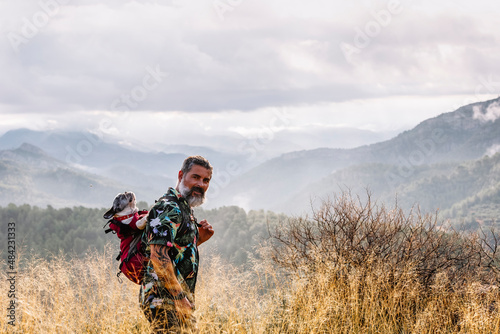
x=125, y=210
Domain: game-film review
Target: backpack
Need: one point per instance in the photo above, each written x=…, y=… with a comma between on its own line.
x=132, y=251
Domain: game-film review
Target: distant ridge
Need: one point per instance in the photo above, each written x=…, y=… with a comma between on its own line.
x=28, y=175
x=41, y=168
x=77, y=156
x=457, y=136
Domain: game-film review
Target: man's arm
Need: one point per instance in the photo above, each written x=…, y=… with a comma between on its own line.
x=165, y=271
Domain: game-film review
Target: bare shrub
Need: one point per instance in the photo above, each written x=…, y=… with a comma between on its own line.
x=358, y=267
x=348, y=234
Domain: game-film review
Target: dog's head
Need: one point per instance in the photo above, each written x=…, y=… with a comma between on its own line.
x=120, y=203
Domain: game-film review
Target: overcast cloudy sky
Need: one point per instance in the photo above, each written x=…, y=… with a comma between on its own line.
x=184, y=70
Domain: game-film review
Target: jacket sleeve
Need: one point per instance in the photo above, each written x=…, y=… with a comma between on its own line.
x=164, y=220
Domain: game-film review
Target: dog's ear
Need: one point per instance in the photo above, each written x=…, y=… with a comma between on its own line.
x=130, y=196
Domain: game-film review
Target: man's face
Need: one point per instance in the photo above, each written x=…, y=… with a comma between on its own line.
x=194, y=184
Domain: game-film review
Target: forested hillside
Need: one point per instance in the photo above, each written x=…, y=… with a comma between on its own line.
x=418, y=166
x=468, y=133
x=238, y=232
x=48, y=231
x=77, y=230
x=468, y=193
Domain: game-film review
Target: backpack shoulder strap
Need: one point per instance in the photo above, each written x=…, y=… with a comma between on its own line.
x=185, y=212
x=133, y=245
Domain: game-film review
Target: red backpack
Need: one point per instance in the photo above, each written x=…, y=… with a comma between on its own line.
x=132, y=256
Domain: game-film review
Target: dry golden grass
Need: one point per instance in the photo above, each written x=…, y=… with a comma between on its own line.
x=352, y=268
x=75, y=296
x=84, y=296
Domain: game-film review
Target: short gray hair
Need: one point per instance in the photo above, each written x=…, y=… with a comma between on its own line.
x=195, y=160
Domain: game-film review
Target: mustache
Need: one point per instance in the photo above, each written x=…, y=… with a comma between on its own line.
x=197, y=189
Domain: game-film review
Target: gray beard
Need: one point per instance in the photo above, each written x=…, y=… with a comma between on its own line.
x=187, y=193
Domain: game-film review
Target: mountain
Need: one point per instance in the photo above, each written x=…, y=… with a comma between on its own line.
x=90, y=151
x=466, y=192
x=29, y=175
x=417, y=166
x=86, y=153
x=104, y=154
x=468, y=133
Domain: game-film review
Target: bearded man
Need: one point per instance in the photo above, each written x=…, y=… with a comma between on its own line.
x=172, y=239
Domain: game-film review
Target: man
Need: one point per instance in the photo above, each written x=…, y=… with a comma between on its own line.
x=173, y=236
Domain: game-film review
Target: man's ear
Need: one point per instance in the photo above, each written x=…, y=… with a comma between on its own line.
x=180, y=175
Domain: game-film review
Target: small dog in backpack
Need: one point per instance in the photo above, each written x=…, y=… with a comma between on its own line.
x=125, y=210
x=128, y=223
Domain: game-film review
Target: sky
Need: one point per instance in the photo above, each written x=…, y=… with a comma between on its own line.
x=207, y=72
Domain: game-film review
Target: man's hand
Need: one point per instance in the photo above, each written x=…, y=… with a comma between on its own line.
x=205, y=231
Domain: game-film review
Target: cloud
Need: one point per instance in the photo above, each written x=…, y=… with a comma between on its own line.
x=89, y=53
x=491, y=114
x=493, y=149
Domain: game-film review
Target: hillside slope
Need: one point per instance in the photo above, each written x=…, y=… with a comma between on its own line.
x=465, y=134
x=29, y=175
x=464, y=192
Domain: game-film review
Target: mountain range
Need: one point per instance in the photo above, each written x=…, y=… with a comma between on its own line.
x=81, y=168
x=421, y=165
x=290, y=182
